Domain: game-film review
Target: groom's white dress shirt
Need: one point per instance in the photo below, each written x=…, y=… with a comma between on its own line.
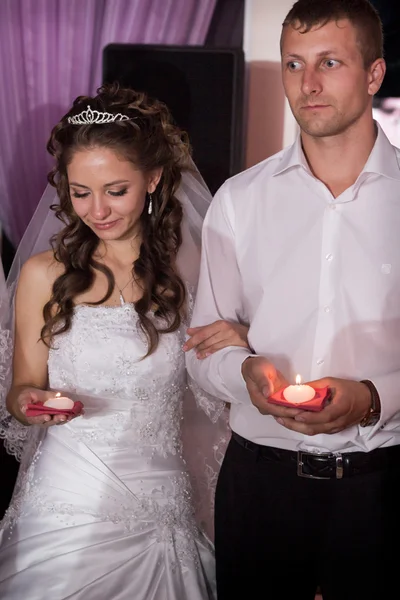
x=318, y=280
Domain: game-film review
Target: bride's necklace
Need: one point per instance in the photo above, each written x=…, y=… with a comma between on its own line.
x=121, y=296
x=132, y=278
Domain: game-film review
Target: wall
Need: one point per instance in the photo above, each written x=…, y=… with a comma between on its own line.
x=270, y=124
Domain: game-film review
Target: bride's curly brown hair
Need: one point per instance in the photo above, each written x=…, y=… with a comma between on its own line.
x=150, y=140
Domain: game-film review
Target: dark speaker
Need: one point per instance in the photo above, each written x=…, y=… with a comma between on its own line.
x=7, y=252
x=389, y=11
x=202, y=87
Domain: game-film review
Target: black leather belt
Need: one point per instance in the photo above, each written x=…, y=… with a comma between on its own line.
x=327, y=466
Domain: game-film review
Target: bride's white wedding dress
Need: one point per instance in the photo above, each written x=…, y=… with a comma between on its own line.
x=104, y=511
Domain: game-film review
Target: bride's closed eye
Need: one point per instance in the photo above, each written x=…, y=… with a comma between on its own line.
x=116, y=194
x=119, y=193
x=77, y=195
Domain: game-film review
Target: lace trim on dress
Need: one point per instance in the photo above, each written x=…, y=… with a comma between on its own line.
x=12, y=432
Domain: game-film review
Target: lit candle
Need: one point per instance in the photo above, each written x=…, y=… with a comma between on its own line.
x=298, y=393
x=61, y=402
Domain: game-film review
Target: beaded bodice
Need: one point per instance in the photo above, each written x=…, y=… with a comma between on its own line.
x=129, y=399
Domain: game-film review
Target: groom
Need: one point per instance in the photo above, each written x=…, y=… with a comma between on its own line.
x=305, y=247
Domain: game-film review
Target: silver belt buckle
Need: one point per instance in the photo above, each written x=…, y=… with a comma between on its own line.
x=300, y=465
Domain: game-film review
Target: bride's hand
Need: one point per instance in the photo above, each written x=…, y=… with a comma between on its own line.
x=17, y=406
x=210, y=338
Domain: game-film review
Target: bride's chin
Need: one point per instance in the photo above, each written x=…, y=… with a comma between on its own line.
x=114, y=233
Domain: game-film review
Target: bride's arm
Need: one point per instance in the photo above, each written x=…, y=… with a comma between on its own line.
x=29, y=379
x=210, y=338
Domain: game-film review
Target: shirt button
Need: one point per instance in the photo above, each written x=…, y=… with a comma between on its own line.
x=329, y=257
x=320, y=361
x=332, y=206
x=327, y=309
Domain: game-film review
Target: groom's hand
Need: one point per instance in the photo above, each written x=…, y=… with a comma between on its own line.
x=262, y=380
x=349, y=402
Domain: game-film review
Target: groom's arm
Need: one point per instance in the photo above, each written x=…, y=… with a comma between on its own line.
x=219, y=296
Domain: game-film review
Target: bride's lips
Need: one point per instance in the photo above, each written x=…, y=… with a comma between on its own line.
x=105, y=226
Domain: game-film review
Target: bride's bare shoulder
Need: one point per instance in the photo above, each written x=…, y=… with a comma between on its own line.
x=40, y=270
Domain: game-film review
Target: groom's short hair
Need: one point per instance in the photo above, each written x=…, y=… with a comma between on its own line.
x=307, y=14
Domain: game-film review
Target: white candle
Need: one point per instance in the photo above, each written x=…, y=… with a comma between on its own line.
x=59, y=401
x=299, y=392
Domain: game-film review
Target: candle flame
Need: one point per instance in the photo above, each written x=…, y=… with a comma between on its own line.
x=298, y=379
x=58, y=395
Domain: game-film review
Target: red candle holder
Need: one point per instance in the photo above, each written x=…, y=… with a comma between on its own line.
x=37, y=409
x=316, y=404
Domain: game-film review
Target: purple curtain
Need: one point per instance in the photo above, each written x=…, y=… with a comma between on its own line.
x=51, y=52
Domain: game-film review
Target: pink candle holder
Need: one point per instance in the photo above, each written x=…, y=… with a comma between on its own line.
x=39, y=408
x=316, y=404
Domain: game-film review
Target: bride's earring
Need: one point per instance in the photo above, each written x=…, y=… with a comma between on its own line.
x=150, y=208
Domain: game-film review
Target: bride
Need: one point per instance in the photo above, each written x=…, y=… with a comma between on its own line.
x=104, y=507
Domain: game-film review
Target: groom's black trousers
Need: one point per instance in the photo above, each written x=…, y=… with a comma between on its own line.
x=279, y=536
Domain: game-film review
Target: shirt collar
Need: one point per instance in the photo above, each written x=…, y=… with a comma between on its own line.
x=293, y=156
x=383, y=159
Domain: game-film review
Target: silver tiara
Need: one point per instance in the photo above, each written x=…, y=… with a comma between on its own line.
x=90, y=117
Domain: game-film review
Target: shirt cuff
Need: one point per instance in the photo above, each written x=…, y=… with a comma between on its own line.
x=230, y=373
